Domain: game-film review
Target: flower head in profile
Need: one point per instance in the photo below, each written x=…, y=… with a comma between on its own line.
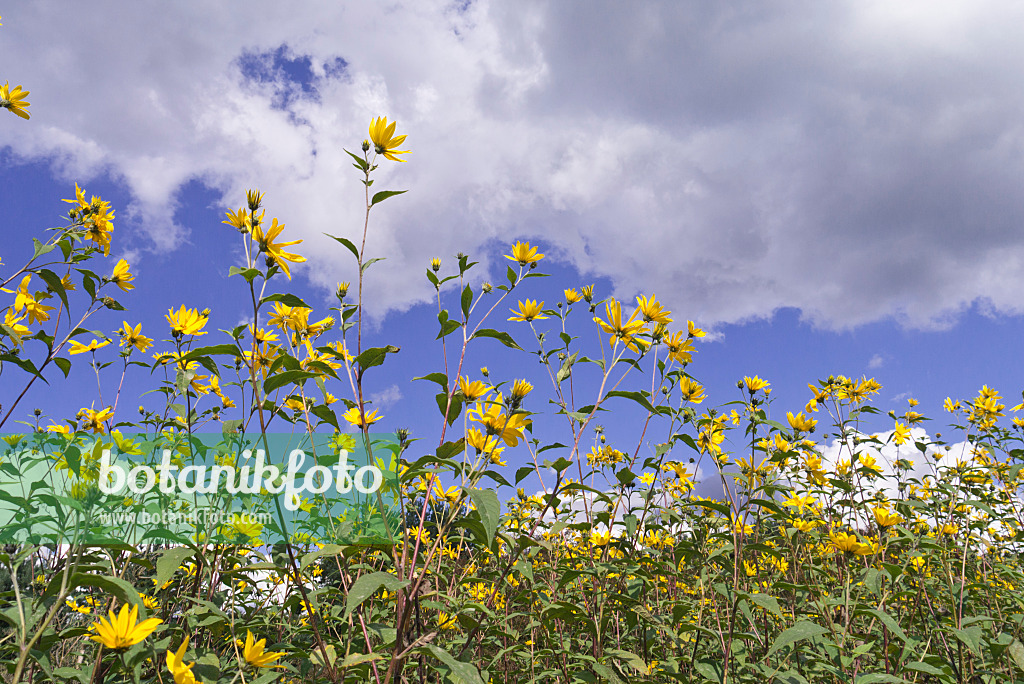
x=239, y=219
x=14, y=100
x=652, y=311
x=254, y=654
x=79, y=348
x=754, y=383
x=122, y=277
x=121, y=631
x=275, y=250
x=358, y=418
x=94, y=419
x=472, y=391
x=186, y=321
x=385, y=142
x=529, y=310
x=176, y=664
x=523, y=253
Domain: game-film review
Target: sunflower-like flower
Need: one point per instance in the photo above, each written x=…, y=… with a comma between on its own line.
x=186, y=321
x=358, y=418
x=121, y=631
x=618, y=330
x=529, y=310
x=524, y=254
x=275, y=250
x=385, y=142
x=176, y=664
x=122, y=277
x=14, y=100
x=254, y=654
x=133, y=337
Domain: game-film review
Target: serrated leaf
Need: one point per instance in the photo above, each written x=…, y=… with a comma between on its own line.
x=169, y=561
x=285, y=378
x=486, y=503
x=368, y=585
x=803, y=629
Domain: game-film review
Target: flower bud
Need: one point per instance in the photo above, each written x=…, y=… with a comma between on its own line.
x=487, y=287
x=484, y=372
x=254, y=198
x=342, y=291
x=365, y=147
x=435, y=265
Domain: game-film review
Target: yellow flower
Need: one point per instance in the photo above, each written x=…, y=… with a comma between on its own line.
x=472, y=390
x=900, y=434
x=508, y=427
x=253, y=652
x=239, y=219
x=14, y=100
x=572, y=296
x=520, y=388
x=384, y=139
x=13, y=320
x=275, y=250
x=79, y=348
x=680, y=349
x=133, y=337
x=800, y=502
x=37, y=313
x=691, y=390
x=600, y=538
x=652, y=311
x=186, y=321
x=524, y=254
x=120, y=631
x=800, y=422
x=97, y=218
x=451, y=496
x=122, y=278
x=848, y=543
x=885, y=518
x=753, y=384
x=94, y=419
x=529, y=310
x=446, y=621
x=175, y=663
x=619, y=330
x=60, y=429
x=692, y=330
x=354, y=417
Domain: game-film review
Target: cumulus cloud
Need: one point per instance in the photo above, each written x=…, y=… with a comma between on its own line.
x=856, y=160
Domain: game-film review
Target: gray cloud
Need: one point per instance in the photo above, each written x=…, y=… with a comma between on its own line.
x=856, y=160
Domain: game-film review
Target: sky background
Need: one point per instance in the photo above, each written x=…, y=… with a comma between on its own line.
x=827, y=189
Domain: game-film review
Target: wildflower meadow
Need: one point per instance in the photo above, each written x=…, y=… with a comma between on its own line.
x=812, y=564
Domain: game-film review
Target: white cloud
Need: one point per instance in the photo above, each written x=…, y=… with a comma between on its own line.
x=857, y=161
x=876, y=361
x=386, y=397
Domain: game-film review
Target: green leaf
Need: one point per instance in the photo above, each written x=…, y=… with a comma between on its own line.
x=878, y=678
x=248, y=273
x=766, y=601
x=638, y=397
x=384, y=194
x=502, y=337
x=348, y=243
x=285, y=378
x=467, y=301
x=325, y=414
x=440, y=378
x=374, y=356
x=360, y=164
x=41, y=249
x=371, y=262
x=63, y=364
x=803, y=629
x=318, y=658
x=606, y=672
x=287, y=299
x=113, y=585
x=453, y=409
x=451, y=449
x=213, y=350
x=368, y=585
x=461, y=673
x=486, y=502
x=169, y=561
x=54, y=282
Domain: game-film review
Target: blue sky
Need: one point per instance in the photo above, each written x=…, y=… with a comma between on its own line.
x=826, y=190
